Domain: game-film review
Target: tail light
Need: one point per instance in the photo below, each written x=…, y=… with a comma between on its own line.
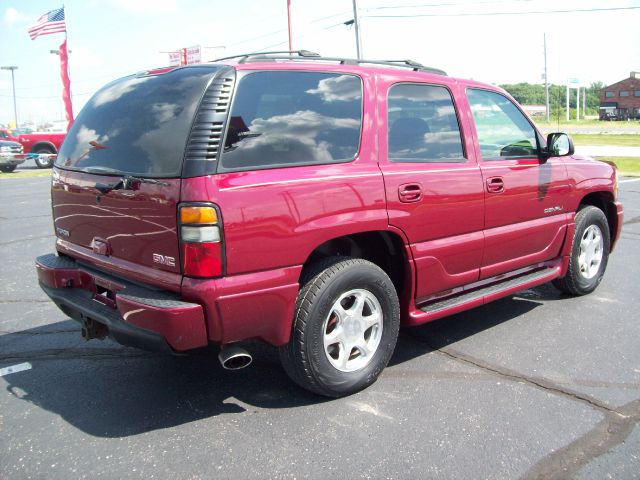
x=201, y=241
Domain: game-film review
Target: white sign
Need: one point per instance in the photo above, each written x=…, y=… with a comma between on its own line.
x=193, y=55
x=175, y=58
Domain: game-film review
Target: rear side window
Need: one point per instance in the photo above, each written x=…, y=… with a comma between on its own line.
x=423, y=126
x=136, y=125
x=283, y=119
x=503, y=130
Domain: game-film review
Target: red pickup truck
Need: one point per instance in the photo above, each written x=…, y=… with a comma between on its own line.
x=315, y=204
x=42, y=145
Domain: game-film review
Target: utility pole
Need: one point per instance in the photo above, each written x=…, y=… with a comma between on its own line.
x=546, y=78
x=13, y=85
x=356, y=22
x=567, y=101
x=289, y=24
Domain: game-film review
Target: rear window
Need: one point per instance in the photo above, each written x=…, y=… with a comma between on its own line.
x=282, y=119
x=136, y=125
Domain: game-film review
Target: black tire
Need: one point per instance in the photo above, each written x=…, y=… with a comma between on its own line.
x=7, y=168
x=580, y=278
x=305, y=359
x=41, y=160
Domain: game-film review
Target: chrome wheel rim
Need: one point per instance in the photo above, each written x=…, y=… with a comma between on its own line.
x=591, y=252
x=352, y=330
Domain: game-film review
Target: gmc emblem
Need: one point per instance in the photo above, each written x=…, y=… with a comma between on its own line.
x=164, y=260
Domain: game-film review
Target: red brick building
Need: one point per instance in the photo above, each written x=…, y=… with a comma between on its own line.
x=621, y=100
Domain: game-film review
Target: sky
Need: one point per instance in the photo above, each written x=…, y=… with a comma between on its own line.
x=494, y=41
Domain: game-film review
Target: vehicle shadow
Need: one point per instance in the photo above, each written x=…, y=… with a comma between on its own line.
x=416, y=341
x=108, y=390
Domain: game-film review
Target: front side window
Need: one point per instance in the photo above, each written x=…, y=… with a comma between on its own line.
x=284, y=119
x=422, y=125
x=503, y=130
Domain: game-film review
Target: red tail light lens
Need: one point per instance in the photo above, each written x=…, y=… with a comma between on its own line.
x=201, y=240
x=202, y=259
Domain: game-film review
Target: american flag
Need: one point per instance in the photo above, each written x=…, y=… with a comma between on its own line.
x=50, y=22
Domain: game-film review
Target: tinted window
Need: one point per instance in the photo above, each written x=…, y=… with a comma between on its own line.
x=503, y=130
x=282, y=119
x=422, y=124
x=136, y=125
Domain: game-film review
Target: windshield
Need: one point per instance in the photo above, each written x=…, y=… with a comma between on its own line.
x=137, y=125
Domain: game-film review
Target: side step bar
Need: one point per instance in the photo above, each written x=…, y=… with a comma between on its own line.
x=482, y=295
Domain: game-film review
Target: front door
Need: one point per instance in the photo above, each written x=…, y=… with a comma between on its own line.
x=525, y=217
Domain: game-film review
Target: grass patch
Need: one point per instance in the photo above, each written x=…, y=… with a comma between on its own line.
x=25, y=174
x=552, y=125
x=627, y=166
x=622, y=140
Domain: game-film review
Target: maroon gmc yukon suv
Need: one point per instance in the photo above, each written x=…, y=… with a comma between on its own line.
x=315, y=204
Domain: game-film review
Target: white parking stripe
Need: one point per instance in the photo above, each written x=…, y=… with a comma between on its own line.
x=629, y=181
x=21, y=367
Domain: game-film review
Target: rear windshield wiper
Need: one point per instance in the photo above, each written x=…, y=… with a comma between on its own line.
x=127, y=182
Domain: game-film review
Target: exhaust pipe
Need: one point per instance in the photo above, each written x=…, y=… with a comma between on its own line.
x=233, y=357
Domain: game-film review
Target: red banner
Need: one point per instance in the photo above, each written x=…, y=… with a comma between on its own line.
x=66, y=83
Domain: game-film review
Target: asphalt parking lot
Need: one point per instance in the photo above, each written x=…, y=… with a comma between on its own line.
x=532, y=386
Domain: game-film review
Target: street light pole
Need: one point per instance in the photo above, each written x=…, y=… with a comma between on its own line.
x=546, y=78
x=13, y=85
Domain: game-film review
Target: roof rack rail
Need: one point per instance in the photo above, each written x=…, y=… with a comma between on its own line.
x=261, y=55
x=307, y=55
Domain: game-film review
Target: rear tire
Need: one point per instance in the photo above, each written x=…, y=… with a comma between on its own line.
x=345, y=328
x=41, y=160
x=589, y=253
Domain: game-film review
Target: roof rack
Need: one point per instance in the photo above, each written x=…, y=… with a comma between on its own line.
x=244, y=57
x=307, y=55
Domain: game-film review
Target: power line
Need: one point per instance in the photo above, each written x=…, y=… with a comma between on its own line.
x=488, y=14
x=275, y=32
x=450, y=4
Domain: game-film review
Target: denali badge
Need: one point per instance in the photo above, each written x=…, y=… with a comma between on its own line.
x=553, y=209
x=164, y=260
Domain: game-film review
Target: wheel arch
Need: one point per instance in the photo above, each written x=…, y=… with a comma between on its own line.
x=605, y=202
x=44, y=144
x=386, y=249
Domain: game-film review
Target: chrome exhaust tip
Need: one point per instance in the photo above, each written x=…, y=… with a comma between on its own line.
x=233, y=357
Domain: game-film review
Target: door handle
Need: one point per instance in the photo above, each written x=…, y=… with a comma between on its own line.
x=410, y=192
x=495, y=185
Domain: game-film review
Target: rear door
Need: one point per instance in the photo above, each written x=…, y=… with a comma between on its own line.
x=117, y=178
x=433, y=184
x=525, y=218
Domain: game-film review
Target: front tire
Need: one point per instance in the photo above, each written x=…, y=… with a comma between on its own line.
x=589, y=254
x=7, y=168
x=345, y=327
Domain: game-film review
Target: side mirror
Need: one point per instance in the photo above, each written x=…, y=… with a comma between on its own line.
x=558, y=145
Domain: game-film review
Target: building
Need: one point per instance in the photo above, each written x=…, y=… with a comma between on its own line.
x=621, y=100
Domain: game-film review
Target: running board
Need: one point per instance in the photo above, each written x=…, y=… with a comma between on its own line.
x=469, y=299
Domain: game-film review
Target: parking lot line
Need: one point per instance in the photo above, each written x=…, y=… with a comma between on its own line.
x=21, y=367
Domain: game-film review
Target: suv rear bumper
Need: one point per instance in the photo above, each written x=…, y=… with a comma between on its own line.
x=135, y=316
